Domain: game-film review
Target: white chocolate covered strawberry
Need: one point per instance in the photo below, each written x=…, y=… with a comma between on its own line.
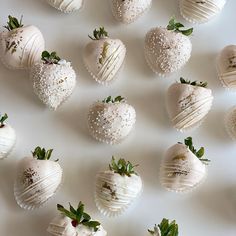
x=111, y=120
x=117, y=187
x=168, y=49
x=37, y=179
x=230, y=122
x=53, y=79
x=7, y=137
x=103, y=57
x=165, y=228
x=188, y=103
x=183, y=167
x=200, y=11
x=20, y=46
x=128, y=11
x=75, y=222
x=66, y=6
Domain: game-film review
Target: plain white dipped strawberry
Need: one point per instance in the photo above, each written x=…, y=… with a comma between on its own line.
x=53, y=79
x=75, y=222
x=104, y=57
x=117, y=187
x=7, y=137
x=165, y=228
x=168, y=49
x=66, y=6
x=20, y=46
x=128, y=11
x=226, y=66
x=200, y=11
x=37, y=179
x=111, y=120
x=188, y=103
x=183, y=167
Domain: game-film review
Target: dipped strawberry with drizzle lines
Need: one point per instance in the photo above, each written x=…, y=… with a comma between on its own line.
x=75, y=222
x=111, y=120
x=168, y=49
x=104, y=57
x=20, y=46
x=53, y=79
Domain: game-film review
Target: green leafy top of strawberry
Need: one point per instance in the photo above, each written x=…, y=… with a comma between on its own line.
x=117, y=99
x=13, y=23
x=176, y=27
x=198, y=153
x=122, y=167
x=194, y=83
x=79, y=217
x=99, y=33
x=166, y=228
x=41, y=154
x=2, y=119
x=50, y=58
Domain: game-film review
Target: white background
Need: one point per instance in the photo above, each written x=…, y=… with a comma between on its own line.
x=208, y=211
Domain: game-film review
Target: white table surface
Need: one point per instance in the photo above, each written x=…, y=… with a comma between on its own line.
x=208, y=211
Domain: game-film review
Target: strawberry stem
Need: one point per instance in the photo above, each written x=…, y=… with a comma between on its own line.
x=13, y=23
x=117, y=99
x=41, y=154
x=194, y=83
x=99, y=34
x=3, y=119
x=50, y=58
x=176, y=27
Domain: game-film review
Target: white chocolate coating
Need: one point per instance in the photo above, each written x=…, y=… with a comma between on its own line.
x=226, y=66
x=129, y=11
x=230, y=123
x=111, y=122
x=181, y=170
x=53, y=83
x=7, y=140
x=114, y=193
x=61, y=226
x=188, y=105
x=104, y=58
x=21, y=48
x=66, y=6
x=166, y=51
x=36, y=182
x=202, y=11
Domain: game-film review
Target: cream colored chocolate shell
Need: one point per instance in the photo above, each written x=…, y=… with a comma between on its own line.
x=111, y=122
x=188, y=105
x=230, y=122
x=7, y=140
x=181, y=170
x=61, y=226
x=36, y=182
x=53, y=83
x=22, y=47
x=114, y=193
x=104, y=58
x=66, y=6
x=130, y=10
x=166, y=51
x=226, y=66
x=200, y=11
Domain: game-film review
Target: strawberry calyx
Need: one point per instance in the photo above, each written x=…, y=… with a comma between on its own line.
x=50, y=58
x=78, y=216
x=194, y=83
x=3, y=118
x=41, y=154
x=99, y=34
x=117, y=99
x=13, y=23
x=176, y=27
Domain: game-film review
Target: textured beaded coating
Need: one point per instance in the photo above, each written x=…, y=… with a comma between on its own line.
x=166, y=51
x=196, y=11
x=66, y=6
x=230, y=122
x=188, y=105
x=127, y=11
x=22, y=47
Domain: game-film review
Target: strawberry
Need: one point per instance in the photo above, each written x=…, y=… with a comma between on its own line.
x=37, y=179
x=188, y=103
x=128, y=11
x=104, y=57
x=66, y=6
x=168, y=49
x=53, y=79
x=111, y=120
x=20, y=46
x=117, y=187
x=230, y=121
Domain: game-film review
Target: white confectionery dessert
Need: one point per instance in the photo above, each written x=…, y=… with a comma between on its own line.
x=66, y=6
